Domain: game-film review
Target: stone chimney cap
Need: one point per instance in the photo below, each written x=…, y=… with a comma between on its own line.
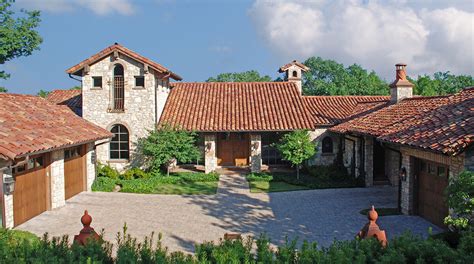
x=401, y=64
x=293, y=63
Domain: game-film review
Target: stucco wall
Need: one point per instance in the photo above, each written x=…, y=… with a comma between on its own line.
x=321, y=158
x=143, y=106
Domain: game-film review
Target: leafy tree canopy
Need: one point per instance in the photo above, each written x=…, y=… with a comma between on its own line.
x=248, y=76
x=327, y=77
x=18, y=35
x=3, y=90
x=43, y=93
x=441, y=83
x=296, y=147
x=168, y=144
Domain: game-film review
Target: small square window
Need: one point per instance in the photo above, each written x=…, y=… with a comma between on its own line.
x=139, y=81
x=97, y=81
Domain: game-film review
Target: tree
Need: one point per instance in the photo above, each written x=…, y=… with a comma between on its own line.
x=296, y=147
x=248, y=76
x=3, y=90
x=327, y=77
x=441, y=83
x=460, y=197
x=168, y=145
x=43, y=93
x=18, y=35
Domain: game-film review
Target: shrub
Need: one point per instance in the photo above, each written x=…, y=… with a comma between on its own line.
x=259, y=177
x=134, y=173
x=196, y=176
x=103, y=184
x=104, y=170
x=460, y=196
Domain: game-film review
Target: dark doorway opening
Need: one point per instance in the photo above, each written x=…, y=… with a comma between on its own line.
x=379, y=164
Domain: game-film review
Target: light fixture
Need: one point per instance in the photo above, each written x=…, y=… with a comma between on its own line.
x=208, y=146
x=403, y=174
x=8, y=185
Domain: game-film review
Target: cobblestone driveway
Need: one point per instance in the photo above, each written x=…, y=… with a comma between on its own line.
x=315, y=215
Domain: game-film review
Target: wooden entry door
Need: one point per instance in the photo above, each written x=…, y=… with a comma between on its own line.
x=74, y=168
x=430, y=200
x=30, y=197
x=233, y=149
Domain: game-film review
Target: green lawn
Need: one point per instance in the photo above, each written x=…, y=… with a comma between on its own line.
x=274, y=186
x=187, y=188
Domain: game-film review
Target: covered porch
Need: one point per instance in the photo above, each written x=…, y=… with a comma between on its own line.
x=252, y=150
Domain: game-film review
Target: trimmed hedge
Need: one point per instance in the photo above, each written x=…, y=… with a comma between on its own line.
x=404, y=249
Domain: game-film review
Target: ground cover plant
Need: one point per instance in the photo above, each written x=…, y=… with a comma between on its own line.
x=315, y=177
x=136, y=180
x=404, y=249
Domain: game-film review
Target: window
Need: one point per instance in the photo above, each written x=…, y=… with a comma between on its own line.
x=295, y=74
x=119, y=90
x=119, y=145
x=72, y=153
x=97, y=81
x=33, y=163
x=139, y=81
x=431, y=169
x=442, y=171
x=327, y=145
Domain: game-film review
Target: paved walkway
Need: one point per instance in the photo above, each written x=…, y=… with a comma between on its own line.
x=314, y=215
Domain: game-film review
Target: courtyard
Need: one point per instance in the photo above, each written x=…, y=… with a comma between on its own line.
x=315, y=215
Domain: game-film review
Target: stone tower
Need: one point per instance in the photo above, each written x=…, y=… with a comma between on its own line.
x=293, y=72
x=401, y=88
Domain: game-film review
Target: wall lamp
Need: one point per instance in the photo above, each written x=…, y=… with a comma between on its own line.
x=8, y=185
x=403, y=174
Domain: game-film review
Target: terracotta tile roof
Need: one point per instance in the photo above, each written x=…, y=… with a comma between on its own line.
x=30, y=124
x=330, y=110
x=294, y=62
x=117, y=47
x=440, y=123
x=239, y=106
x=70, y=98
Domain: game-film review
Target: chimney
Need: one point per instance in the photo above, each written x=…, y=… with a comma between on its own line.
x=293, y=73
x=401, y=88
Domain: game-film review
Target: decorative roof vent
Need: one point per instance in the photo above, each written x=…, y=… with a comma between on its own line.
x=293, y=72
x=401, y=88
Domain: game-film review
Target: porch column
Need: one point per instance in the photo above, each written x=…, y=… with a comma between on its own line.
x=255, y=152
x=408, y=186
x=90, y=165
x=58, y=194
x=210, y=159
x=7, y=201
x=369, y=161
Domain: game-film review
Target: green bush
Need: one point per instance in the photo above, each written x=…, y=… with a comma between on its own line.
x=404, y=249
x=259, y=177
x=104, y=170
x=134, y=173
x=460, y=196
x=103, y=184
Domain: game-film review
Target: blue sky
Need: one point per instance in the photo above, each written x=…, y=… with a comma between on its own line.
x=199, y=39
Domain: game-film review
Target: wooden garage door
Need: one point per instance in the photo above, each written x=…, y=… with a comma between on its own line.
x=74, y=176
x=431, y=199
x=30, y=197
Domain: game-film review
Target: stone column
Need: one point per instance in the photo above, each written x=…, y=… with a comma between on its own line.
x=210, y=158
x=255, y=152
x=90, y=165
x=407, y=187
x=58, y=196
x=369, y=161
x=8, y=202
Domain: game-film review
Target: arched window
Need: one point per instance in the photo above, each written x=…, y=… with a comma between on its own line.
x=327, y=145
x=295, y=74
x=119, y=145
x=119, y=91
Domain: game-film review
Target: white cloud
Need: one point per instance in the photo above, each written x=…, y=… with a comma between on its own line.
x=374, y=34
x=99, y=7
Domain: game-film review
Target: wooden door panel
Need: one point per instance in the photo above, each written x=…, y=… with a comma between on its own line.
x=74, y=176
x=30, y=195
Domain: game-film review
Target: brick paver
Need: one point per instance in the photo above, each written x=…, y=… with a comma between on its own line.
x=315, y=215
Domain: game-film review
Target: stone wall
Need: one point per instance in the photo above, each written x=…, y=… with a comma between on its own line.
x=256, y=152
x=321, y=158
x=143, y=105
x=392, y=165
x=210, y=157
x=90, y=165
x=369, y=160
x=7, y=202
x=57, y=179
